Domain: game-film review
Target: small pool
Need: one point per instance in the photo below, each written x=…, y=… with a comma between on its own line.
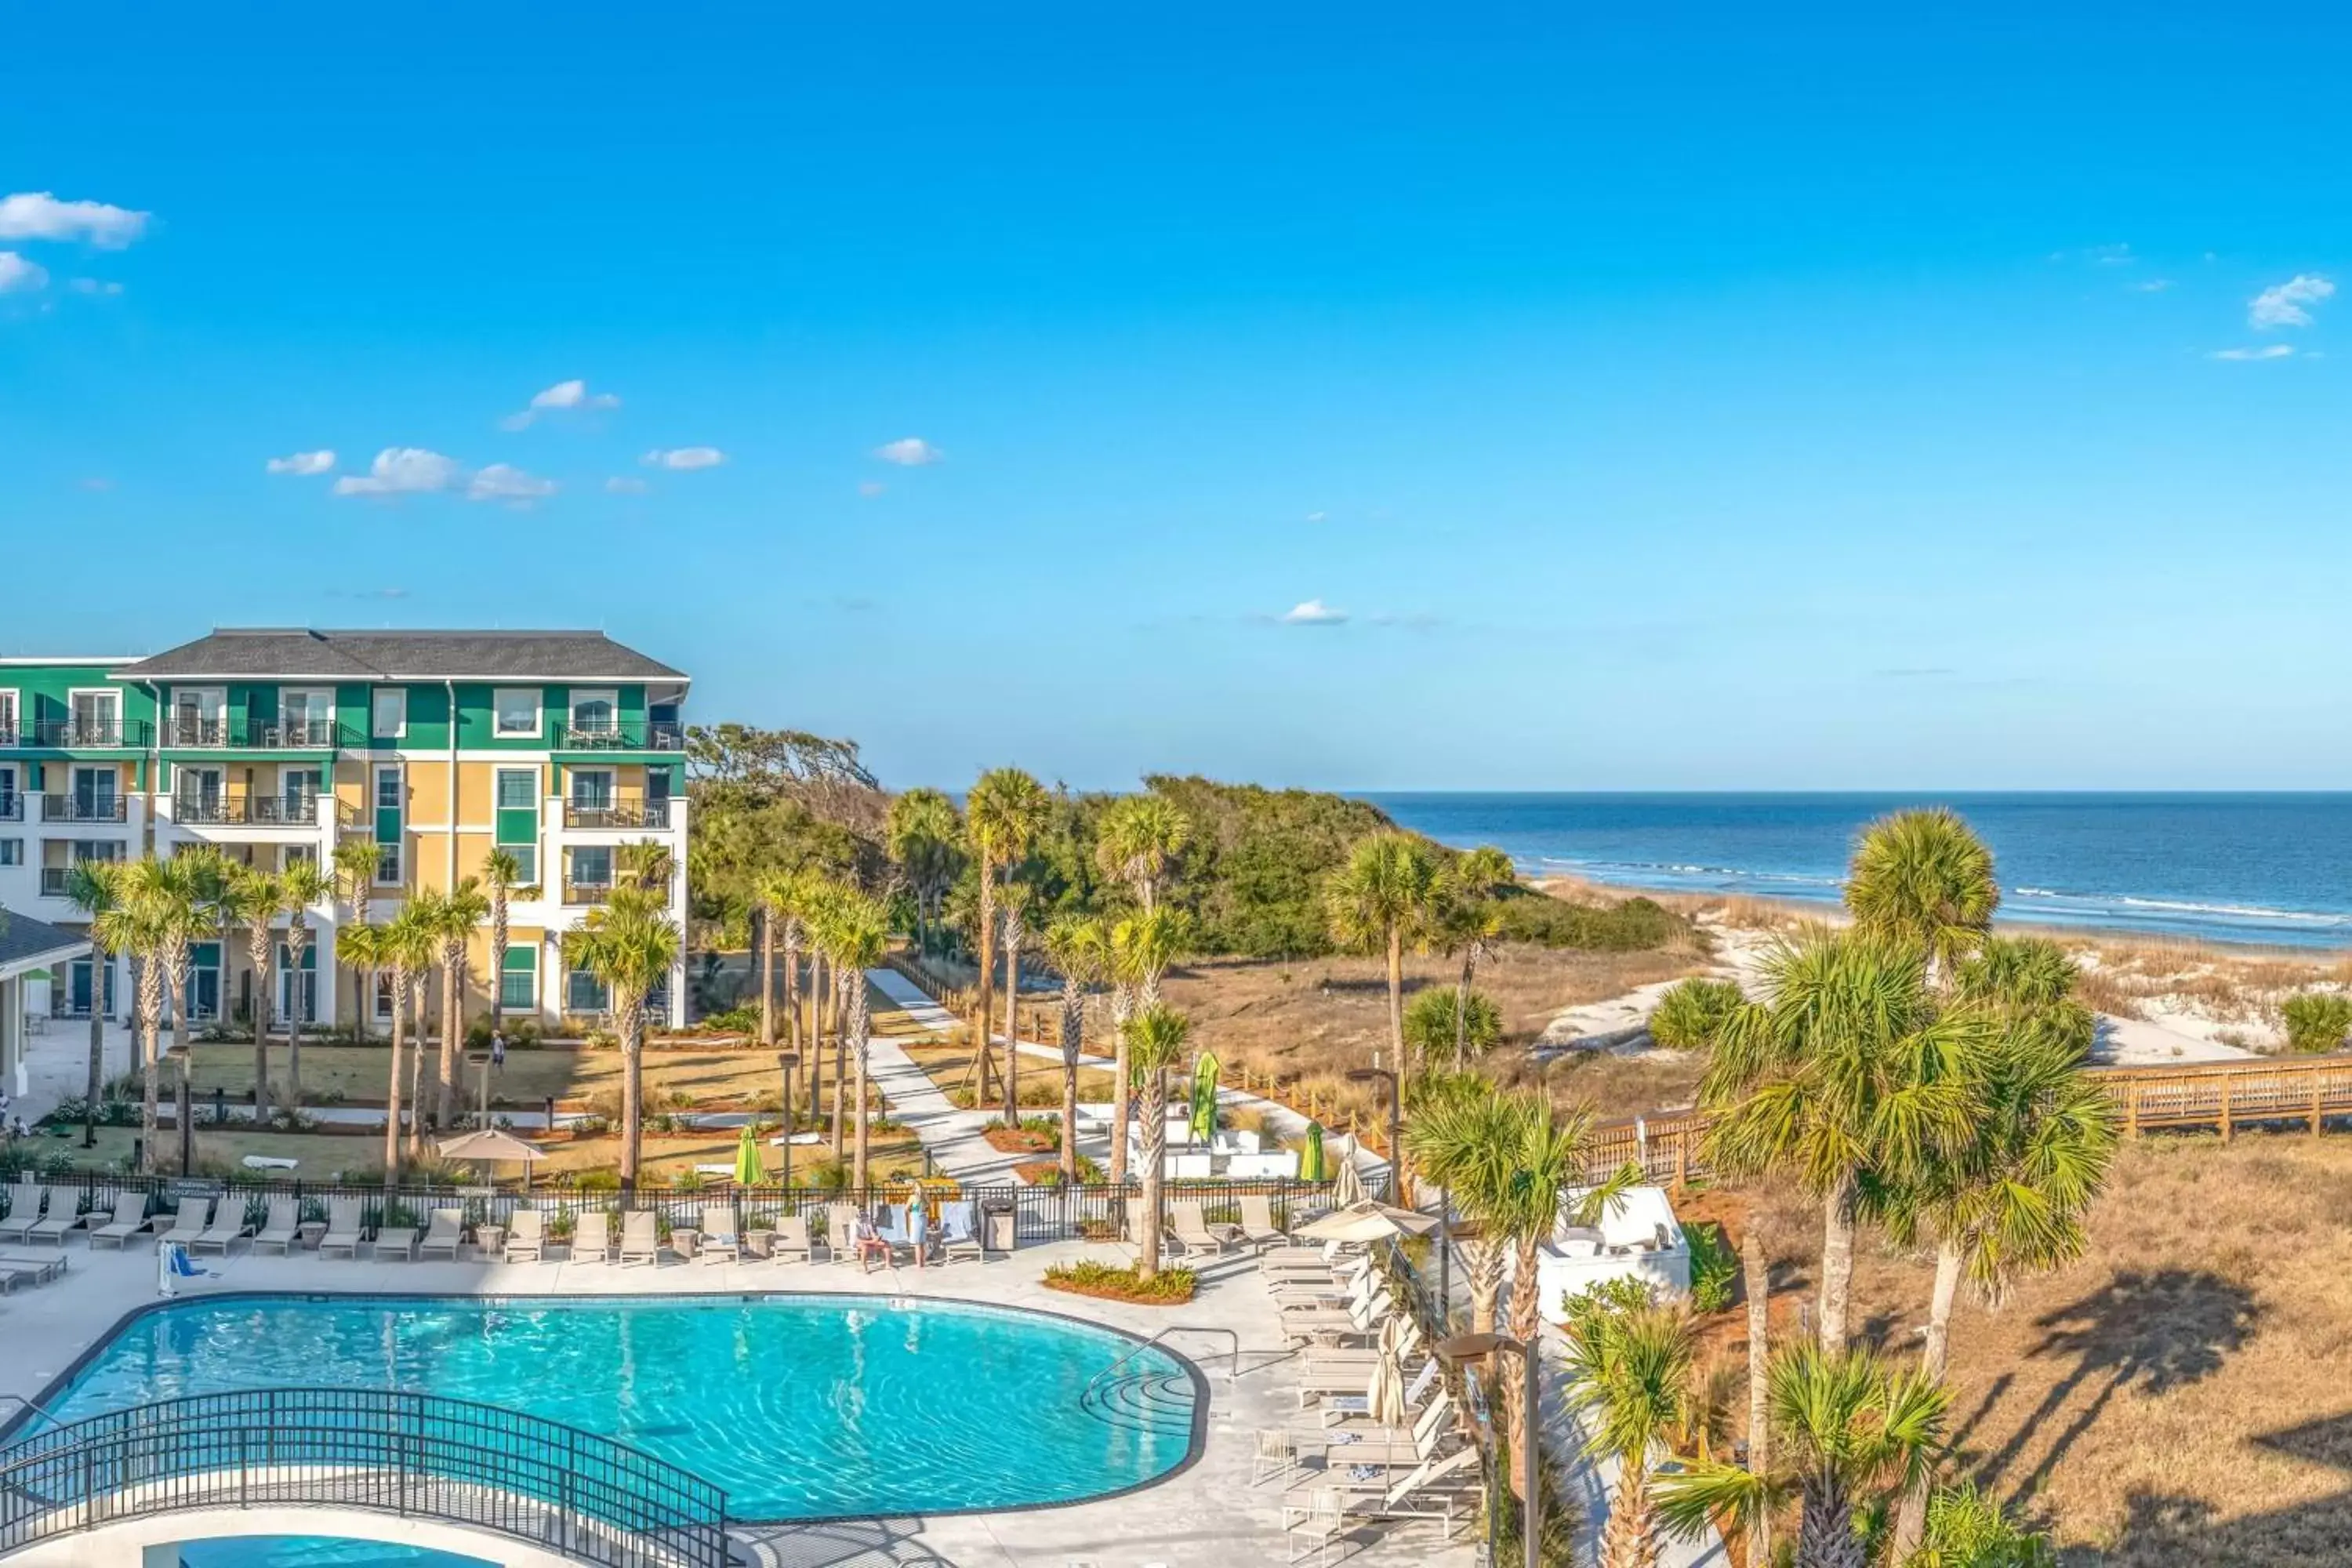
x=809, y=1406
x=315, y=1552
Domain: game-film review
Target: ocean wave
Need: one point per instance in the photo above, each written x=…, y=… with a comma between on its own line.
x=2096, y=902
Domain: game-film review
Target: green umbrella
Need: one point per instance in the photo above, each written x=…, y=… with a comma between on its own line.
x=748, y=1172
x=1310, y=1164
x=1204, y=1099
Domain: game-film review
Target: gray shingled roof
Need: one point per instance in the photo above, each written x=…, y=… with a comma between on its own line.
x=302, y=653
x=23, y=937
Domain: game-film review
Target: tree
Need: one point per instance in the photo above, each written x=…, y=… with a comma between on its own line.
x=854, y=933
x=1016, y=937
x=2317, y=1021
x=1469, y=923
x=136, y=924
x=1143, y=946
x=630, y=945
x=1006, y=811
x=1078, y=947
x=454, y=914
x=364, y=948
x=408, y=947
x=1848, y=1075
x=182, y=893
x=1380, y=901
x=1923, y=880
x=1691, y=1013
x=253, y=900
x=1849, y=1433
x=1155, y=1040
x=501, y=873
x=925, y=835
x=1464, y=1024
x=89, y=887
x=301, y=885
x=355, y=864
x=1138, y=838
x=1633, y=1375
x=1459, y=1124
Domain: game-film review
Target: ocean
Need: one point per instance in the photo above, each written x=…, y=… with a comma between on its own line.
x=2269, y=868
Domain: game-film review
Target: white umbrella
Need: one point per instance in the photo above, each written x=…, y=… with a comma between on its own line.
x=490, y=1146
x=1385, y=1400
x=1368, y=1221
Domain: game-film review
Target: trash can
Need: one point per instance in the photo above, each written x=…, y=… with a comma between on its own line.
x=996, y=1224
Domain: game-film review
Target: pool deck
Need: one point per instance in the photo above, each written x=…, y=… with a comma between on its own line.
x=1202, y=1517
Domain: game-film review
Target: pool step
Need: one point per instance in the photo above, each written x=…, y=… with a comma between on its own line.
x=1143, y=1401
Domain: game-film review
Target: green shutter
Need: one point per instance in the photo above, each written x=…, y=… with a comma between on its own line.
x=521, y=959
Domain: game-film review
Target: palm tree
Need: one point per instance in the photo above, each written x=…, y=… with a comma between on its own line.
x=364, y=947
x=1080, y=949
x=408, y=947
x=924, y=835
x=1459, y=1126
x=1380, y=901
x=301, y=885
x=181, y=892
x=630, y=945
x=455, y=914
x=1016, y=937
x=1925, y=880
x=1155, y=1040
x=1139, y=836
x=501, y=873
x=1469, y=923
x=1633, y=1375
x=253, y=900
x=90, y=887
x=355, y=863
x=1850, y=1432
x=137, y=924
x=1847, y=1075
x=1143, y=946
x=855, y=933
x=1005, y=813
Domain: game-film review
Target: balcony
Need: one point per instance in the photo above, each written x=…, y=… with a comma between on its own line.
x=587, y=893
x=621, y=735
x=242, y=734
x=84, y=808
x=96, y=734
x=248, y=811
x=11, y=808
x=628, y=813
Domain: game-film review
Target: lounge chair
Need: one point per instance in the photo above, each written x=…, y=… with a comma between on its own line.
x=1302, y=1290
x=188, y=1225
x=792, y=1239
x=526, y=1236
x=64, y=1214
x=282, y=1228
x=893, y=1230
x=640, y=1237
x=25, y=1200
x=1359, y=1446
x=396, y=1239
x=1187, y=1222
x=1436, y=1491
x=592, y=1236
x=39, y=1270
x=445, y=1232
x=129, y=1219
x=343, y=1235
x=841, y=1231
x=228, y=1226
x=1257, y=1225
x=958, y=1237
x=721, y=1236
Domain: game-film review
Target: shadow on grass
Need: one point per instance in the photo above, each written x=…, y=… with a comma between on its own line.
x=2167, y=1531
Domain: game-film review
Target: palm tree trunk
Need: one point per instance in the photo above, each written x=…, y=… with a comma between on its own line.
x=1826, y=1537
x=840, y=1076
x=453, y=1008
x=1074, y=1037
x=391, y=1088
x=149, y=1026
x=987, y=970
x=1121, y=1009
x=1837, y=1263
x=633, y=1084
x=1911, y=1518
x=294, y=1028
x=768, y=978
x=859, y=1024
x=257, y=954
x=1461, y=1007
x=182, y=1109
x=1631, y=1540
x=1155, y=1163
x=97, y=1045
x=1013, y=1017
x=1396, y=995
x=420, y=987
x=1756, y=1273
x=793, y=985
x=1526, y=1327
x=1482, y=1261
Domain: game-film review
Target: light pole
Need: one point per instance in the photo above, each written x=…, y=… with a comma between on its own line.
x=1466, y=1350
x=1396, y=1127
x=786, y=1062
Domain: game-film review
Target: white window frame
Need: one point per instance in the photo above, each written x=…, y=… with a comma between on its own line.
x=12, y=852
x=527, y=861
x=608, y=694
x=498, y=777
x=572, y=854
x=8, y=710
x=531, y=1005
x=211, y=704
x=375, y=803
x=499, y=696
x=385, y=998
x=377, y=729
x=611, y=791
x=307, y=691
x=73, y=705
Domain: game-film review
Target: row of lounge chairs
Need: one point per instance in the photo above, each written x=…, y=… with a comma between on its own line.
x=1189, y=1227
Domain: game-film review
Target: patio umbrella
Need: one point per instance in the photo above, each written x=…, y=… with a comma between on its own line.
x=1204, y=1100
x=490, y=1146
x=748, y=1171
x=1368, y=1221
x=1310, y=1163
x=1347, y=1185
x=1384, y=1399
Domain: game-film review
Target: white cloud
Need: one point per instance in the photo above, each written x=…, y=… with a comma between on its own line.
x=1313, y=613
x=18, y=275
x=37, y=214
x=93, y=285
x=402, y=471
x=2151, y=286
x=2282, y=304
x=317, y=462
x=1316, y=516
x=2268, y=351
x=563, y=395
x=504, y=481
x=872, y=487
x=626, y=485
x=909, y=452
x=685, y=457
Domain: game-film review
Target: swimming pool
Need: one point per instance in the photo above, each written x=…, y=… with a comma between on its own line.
x=812, y=1406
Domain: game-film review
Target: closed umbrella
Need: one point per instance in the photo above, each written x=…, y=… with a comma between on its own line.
x=1346, y=1186
x=1310, y=1164
x=1204, y=1128
x=1384, y=1399
x=748, y=1171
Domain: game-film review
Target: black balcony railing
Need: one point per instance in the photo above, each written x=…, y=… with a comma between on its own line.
x=184, y=730
x=652, y=814
x=97, y=734
x=576, y=1493
x=621, y=735
x=85, y=808
x=248, y=810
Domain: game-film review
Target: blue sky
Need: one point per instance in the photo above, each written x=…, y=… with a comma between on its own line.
x=1675, y=396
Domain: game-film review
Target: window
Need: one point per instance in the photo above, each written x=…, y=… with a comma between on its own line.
x=390, y=713
x=515, y=710
x=387, y=865
x=519, y=984
x=306, y=715
x=391, y=826
x=591, y=789
x=517, y=789
x=526, y=859
x=97, y=718
x=387, y=790
x=383, y=997
x=595, y=712
x=12, y=852
x=592, y=866
x=199, y=716
x=583, y=993
x=300, y=852
x=95, y=849
x=8, y=716
x=11, y=805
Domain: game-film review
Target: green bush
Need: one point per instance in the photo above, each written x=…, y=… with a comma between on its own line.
x=1634, y=926
x=1086, y=1277
x=1967, y=1528
x=2317, y=1020
x=1429, y=1023
x=1691, y=1012
x=1714, y=1267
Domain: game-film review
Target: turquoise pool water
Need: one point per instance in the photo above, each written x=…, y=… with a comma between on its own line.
x=316, y=1551
x=800, y=1406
